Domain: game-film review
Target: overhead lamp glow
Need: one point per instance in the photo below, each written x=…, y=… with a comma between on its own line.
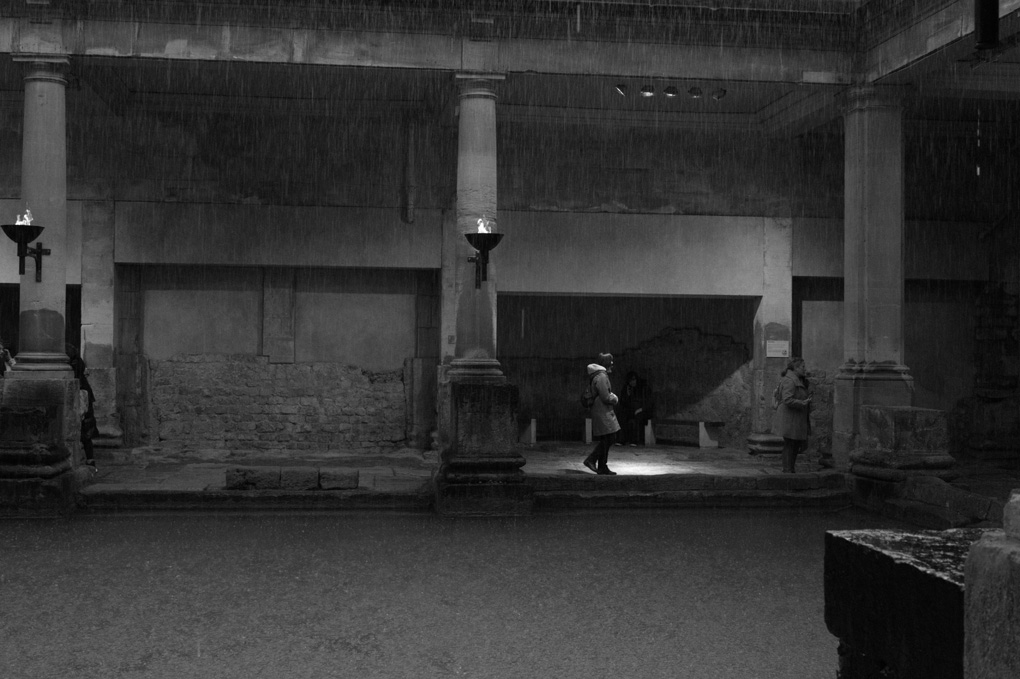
x=621, y=90
x=695, y=92
x=647, y=91
x=670, y=92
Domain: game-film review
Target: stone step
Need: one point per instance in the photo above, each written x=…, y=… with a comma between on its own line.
x=741, y=499
x=824, y=480
x=252, y=500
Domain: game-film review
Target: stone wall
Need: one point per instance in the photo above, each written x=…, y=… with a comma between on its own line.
x=694, y=375
x=245, y=403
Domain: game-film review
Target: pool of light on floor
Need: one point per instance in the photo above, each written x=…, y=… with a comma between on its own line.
x=644, y=468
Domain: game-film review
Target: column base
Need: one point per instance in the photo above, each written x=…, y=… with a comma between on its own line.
x=895, y=443
x=862, y=384
x=35, y=364
x=481, y=471
x=490, y=487
x=39, y=445
x=477, y=370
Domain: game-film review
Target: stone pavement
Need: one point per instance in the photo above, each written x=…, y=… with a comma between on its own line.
x=163, y=478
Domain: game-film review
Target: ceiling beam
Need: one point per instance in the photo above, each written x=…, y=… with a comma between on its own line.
x=226, y=42
x=799, y=111
x=948, y=29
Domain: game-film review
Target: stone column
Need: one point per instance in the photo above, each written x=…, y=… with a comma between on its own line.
x=39, y=435
x=872, y=373
x=44, y=192
x=772, y=330
x=481, y=469
x=475, y=357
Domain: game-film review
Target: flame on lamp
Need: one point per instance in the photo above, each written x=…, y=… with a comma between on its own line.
x=26, y=219
x=484, y=225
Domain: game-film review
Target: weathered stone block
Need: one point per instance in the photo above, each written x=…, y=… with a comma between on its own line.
x=992, y=602
x=299, y=478
x=903, y=437
x=338, y=479
x=895, y=600
x=252, y=478
x=1011, y=516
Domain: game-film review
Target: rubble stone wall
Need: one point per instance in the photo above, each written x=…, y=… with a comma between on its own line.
x=243, y=402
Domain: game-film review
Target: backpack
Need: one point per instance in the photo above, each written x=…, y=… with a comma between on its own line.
x=777, y=395
x=589, y=394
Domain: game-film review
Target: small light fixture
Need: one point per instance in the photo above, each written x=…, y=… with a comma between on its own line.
x=647, y=91
x=670, y=92
x=719, y=94
x=484, y=240
x=23, y=232
x=695, y=92
x=621, y=90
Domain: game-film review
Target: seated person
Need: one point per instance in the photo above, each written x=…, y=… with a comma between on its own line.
x=636, y=408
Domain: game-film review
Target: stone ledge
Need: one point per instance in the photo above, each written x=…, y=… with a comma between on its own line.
x=290, y=478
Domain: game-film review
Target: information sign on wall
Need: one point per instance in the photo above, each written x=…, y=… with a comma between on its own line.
x=777, y=349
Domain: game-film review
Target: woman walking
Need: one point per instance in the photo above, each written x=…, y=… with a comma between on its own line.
x=603, y=418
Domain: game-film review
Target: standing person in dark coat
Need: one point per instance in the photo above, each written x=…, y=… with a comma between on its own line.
x=792, y=420
x=603, y=419
x=88, y=420
x=636, y=406
x=6, y=360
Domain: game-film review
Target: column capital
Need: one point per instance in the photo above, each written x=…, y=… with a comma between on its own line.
x=864, y=97
x=478, y=84
x=44, y=66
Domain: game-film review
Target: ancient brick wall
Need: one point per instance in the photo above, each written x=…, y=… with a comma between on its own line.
x=242, y=402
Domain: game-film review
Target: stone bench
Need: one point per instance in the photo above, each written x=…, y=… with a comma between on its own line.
x=708, y=431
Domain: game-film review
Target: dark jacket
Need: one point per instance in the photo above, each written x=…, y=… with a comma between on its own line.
x=792, y=417
x=638, y=397
x=603, y=418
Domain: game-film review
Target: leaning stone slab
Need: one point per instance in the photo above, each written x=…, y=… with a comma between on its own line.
x=252, y=478
x=299, y=478
x=338, y=479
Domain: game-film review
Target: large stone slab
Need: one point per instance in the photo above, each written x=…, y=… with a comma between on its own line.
x=338, y=479
x=252, y=478
x=895, y=600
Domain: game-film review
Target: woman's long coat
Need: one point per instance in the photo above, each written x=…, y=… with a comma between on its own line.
x=603, y=416
x=792, y=417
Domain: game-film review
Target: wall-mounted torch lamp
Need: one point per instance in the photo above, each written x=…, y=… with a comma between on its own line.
x=24, y=232
x=482, y=241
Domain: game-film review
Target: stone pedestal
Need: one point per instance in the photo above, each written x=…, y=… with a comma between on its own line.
x=481, y=474
x=856, y=387
x=39, y=445
x=897, y=442
x=992, y=601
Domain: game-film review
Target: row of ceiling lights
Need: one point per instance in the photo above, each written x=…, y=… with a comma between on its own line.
x=670, y=92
